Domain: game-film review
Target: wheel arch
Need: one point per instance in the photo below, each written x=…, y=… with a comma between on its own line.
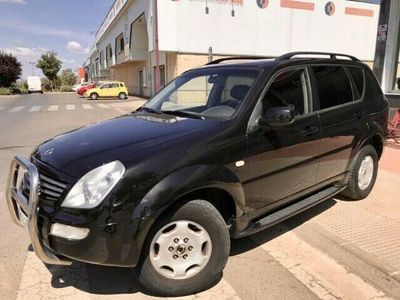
x=216, y=184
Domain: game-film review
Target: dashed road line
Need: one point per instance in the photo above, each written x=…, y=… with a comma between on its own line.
x=101, y=105
x=70, y=107
x=53, y=108
x=35, y=108
x=87, y=106
x=17, y=109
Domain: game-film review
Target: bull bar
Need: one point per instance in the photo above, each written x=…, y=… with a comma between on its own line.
x=18, y=203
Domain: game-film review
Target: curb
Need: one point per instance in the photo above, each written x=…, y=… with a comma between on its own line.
x=373, y=269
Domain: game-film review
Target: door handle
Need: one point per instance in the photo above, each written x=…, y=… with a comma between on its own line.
x=359, y=114
x=310, y=130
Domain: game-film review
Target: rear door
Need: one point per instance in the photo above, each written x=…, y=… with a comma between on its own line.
x=114, y=89
x=283, y=161
x=342, y=116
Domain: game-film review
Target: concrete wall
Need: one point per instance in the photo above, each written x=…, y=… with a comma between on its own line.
x=282, y=26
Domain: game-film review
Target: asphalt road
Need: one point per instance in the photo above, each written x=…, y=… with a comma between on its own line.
x=283, y=262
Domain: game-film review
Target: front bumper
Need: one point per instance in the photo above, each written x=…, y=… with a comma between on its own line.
x=18, y=204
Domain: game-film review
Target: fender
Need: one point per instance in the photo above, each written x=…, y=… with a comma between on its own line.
x=186, y=180
x=176, y=185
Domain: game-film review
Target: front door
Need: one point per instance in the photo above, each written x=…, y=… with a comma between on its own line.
x=283, y=160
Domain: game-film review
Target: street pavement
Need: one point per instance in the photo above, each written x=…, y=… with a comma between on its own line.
x=337, y=250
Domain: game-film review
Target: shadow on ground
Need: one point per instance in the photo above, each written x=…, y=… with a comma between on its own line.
x=112, y=281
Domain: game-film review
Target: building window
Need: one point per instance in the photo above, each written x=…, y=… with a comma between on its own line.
x=162, y=76
x=101, y=59
x=122, y=44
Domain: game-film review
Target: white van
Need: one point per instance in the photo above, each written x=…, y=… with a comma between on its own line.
x=34, y=84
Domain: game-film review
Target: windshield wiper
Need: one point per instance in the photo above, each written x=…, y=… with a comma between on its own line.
x=183, y=113
x=148, y=109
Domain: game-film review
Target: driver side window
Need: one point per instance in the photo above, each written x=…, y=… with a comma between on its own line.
x=289, y=88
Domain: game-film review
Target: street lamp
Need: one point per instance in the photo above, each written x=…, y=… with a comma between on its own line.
x=33, y=67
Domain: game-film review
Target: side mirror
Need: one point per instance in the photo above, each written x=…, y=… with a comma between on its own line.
x=277, y=116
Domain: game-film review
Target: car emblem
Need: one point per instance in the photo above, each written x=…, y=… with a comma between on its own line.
x=48, y=152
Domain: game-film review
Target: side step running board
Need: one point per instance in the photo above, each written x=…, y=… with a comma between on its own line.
x=289, y=211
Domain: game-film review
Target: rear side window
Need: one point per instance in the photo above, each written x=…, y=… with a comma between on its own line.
x=358, y=77
x=333, y=84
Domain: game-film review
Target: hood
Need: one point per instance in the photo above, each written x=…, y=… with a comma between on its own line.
x=79, y=151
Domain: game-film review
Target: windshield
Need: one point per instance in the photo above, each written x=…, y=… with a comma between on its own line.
x=207, y=93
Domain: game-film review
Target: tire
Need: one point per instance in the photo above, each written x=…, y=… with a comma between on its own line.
x=358, y=189
x=122, y=96
x=194, y=279
x=94, y=96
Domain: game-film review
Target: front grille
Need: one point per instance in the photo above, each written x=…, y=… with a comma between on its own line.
x=50, y=189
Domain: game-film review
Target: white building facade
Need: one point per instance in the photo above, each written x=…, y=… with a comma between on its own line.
x=146, y=43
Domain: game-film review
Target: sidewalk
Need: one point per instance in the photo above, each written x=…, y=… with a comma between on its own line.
x=370, y=228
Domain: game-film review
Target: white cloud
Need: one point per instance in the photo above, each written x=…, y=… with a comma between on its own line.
x=28, y=53
x=75, y=47
x=39, y=29
x=13, y=1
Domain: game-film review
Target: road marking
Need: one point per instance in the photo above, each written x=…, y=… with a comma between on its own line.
x=53, y=108
x=319, y=272
x=101, y=105
x=2, y=107
x=87, y=106
x=70, y=107
x=16, y=109
x=35, y=108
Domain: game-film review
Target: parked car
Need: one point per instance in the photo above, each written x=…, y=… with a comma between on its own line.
x=223, y=151
x=34, y=84
x=109, y=89
x=89, y=86
x=76, y=87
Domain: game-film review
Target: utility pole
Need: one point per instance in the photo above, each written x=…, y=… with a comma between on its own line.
x=33, y=67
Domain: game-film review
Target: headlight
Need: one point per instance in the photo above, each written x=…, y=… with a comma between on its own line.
x=93, y=187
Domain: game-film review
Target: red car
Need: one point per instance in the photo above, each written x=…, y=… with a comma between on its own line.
x=83, y=89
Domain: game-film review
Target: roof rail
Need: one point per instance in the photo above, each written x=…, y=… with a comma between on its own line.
x=332, y=55
x=217, y=61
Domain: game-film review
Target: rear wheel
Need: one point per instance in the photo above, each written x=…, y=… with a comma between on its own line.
x=186, y=251
x=363, y=172
x=94, y=96
x=122, y=96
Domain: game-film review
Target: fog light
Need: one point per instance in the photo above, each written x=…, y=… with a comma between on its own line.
x=69, y=232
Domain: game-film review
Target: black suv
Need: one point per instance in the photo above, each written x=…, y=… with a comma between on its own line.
x=222, y=152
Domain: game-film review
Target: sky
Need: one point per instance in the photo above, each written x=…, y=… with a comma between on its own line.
x=29, y=28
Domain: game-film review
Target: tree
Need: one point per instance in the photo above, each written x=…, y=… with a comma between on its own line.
x=68, y=77
x=10, y=69
x=50, y=65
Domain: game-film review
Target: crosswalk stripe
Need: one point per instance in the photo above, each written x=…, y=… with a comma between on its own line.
x=53, y=108
x=87, y=106
x=17, y=108
x=35, y=108
x=70, y=107
x=101, y=105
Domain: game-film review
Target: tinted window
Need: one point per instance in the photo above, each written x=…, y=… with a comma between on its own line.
x=113, y=85
x=333, y=86
x=358, y=77
x=289, y=88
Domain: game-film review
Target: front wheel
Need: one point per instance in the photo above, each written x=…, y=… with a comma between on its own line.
x=94, y=96
x=363, y=172
x=186, y=251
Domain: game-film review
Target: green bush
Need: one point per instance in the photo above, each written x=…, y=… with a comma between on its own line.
x=5, y=91
x=66, y=88
x=18, y=90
